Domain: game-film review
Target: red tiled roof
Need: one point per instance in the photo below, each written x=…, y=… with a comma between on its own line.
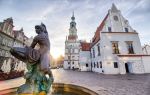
x=85, y=46
x=96, y=37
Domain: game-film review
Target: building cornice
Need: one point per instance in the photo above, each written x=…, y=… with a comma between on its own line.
x=71, y=60
x=132, y=55
x=120, y=32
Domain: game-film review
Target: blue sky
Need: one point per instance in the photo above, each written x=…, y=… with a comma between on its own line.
x=56, y=15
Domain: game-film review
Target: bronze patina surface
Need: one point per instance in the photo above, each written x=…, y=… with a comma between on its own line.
x=39, y=77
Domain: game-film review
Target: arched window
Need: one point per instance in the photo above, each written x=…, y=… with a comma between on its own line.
x=116, y=18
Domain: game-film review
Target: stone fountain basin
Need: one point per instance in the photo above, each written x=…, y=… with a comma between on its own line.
x=58, y=89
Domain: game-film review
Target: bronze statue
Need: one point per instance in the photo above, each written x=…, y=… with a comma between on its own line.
x=39, y=77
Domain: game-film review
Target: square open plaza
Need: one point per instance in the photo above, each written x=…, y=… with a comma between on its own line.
x=113, y=62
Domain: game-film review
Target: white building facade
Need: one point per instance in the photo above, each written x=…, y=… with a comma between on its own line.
x=85, y=57
x=115, y=48
x=72, y=46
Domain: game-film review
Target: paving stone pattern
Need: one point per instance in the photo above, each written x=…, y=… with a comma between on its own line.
x=129, y=84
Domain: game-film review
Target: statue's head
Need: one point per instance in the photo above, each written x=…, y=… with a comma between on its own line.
x=38, y=29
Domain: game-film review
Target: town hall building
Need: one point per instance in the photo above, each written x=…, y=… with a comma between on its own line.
x=71, y=60
x=114, y=49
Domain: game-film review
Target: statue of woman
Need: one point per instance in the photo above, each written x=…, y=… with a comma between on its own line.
x=39, y=77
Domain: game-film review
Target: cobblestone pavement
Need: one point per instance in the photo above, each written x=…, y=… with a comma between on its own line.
x=129, y=84
x=103, y=84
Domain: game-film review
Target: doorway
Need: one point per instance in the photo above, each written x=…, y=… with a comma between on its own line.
x=127, y=68
x=72, y=68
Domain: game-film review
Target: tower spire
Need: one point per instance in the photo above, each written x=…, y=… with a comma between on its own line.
x=114, y=8
x=72, y=29
x=73, y=13
x=73, y=18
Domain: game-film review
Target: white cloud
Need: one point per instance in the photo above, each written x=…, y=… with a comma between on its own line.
x=89, y=14
x=42, y=15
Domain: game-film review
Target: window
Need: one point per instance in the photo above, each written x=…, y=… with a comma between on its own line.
x=69, y=58
x=115, y=47
x=94, y=64
x=86, y=65
x=91, y=64
x=109, y=29
x=93, y=53
x=6, y=27
x=115, y=65
x=72, y=62
x=1, y=39
x=9, y=29
x=126, y=29
x=130, y=47
x=68, y=62
x=1, y=52
x=7, y=54
x=98, y=48
x=72, y=25
x=72, y=50
x=100, y=64
x=116, y=18
x=97, y=65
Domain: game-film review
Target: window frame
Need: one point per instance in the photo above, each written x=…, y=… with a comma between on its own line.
x=130, y=47
x=116, y=18
x=101, y=64
x=93, y=53
x=115, y=64
x=68, y=62
x=97, y=65
x=126, y=29
x=109, y=29
x=98, y=49
x=115, y=47
x=94, y=65
x=87, y=65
